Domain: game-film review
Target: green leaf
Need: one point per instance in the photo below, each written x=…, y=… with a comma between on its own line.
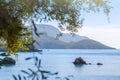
x=15, y=78
x=39, y=64
x=19, y=77
x=28, y=58
x=23, y=71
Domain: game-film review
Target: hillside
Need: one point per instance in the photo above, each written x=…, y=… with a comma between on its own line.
x=49, y=40
x=88, y=44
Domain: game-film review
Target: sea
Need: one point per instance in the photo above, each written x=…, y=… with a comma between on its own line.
x=61, y=61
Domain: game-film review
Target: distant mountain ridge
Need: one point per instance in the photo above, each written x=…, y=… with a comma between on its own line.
x=48, y=40
x=89, y=44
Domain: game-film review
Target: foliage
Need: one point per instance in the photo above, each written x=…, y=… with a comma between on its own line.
x=13, y=13
x=38, y=74
x=11, y=27
x=4, y=54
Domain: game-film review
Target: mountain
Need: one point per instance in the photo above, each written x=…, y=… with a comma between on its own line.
x=53, y=32
x=52, y=38
x=88, y=44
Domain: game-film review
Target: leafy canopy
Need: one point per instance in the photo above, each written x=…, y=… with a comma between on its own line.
x=67, y=12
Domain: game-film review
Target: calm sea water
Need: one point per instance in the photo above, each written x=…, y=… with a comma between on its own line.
x=61, y=61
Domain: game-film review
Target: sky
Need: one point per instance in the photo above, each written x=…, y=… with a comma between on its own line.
x=97, y=27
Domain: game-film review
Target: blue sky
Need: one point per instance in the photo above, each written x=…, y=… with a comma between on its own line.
x=97, y=27
x=101, y=19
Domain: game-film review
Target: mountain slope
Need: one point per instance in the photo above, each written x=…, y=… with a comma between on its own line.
x=88, y=44
x=51, y=31
x=48, y=40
